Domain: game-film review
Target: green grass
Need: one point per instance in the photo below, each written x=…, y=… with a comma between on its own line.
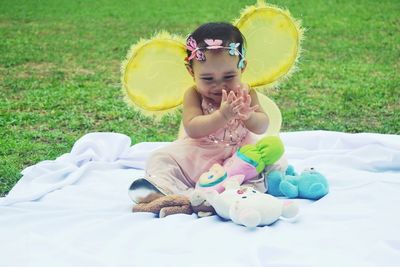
x=60, y=60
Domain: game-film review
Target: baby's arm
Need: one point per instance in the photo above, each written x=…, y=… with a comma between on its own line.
x=258, y=121
x=197, y=124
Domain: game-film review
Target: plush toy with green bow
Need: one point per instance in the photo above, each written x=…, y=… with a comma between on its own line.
x=248, y=161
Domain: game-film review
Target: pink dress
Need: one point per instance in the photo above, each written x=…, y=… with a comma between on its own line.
x=176, y=167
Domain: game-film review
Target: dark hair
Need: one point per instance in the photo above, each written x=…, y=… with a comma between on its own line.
x=217, y=30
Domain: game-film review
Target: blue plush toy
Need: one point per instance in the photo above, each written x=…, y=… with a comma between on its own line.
x=309, y=184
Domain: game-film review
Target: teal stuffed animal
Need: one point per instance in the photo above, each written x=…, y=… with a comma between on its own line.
x=310, y=184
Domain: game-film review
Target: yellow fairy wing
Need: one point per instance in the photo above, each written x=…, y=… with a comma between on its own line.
x=154, y=76
x=273, y=112
x=273, y=43
x=269, y=107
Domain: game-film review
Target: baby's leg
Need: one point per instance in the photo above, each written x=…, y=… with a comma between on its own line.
x=165, y=173
x=175, y=168
x=163, y=177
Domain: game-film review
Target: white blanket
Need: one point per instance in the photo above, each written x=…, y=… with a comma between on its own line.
x=75, y=211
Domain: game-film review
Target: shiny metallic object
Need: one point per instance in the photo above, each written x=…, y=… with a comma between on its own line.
x=140, y=189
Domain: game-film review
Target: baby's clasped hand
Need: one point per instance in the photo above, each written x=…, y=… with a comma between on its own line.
x=245, y=109
x=237, y=104
x=230, y=105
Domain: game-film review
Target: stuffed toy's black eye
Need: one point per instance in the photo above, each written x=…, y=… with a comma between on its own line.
x=244, y=197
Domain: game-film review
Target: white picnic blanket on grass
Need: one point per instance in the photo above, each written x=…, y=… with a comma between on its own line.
x=75, y=211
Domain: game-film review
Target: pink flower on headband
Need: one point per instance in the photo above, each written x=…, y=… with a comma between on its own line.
x=213, y=44
x=191, y=45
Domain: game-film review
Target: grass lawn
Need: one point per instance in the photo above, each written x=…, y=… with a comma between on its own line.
x=60, y=61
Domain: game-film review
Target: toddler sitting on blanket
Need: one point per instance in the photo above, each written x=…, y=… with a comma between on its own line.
x=220, y=114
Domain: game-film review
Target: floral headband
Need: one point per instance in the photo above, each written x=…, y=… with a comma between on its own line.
x=198, y=54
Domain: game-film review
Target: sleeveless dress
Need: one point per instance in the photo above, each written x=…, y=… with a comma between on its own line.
x=176, y=167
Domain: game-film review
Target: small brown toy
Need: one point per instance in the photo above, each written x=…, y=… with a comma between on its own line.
x=200, y=205
x=165, y=205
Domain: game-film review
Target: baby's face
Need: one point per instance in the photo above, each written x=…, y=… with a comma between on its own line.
x=219, y=71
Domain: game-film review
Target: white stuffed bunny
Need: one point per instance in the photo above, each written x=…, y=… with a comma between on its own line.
x=248, y=207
